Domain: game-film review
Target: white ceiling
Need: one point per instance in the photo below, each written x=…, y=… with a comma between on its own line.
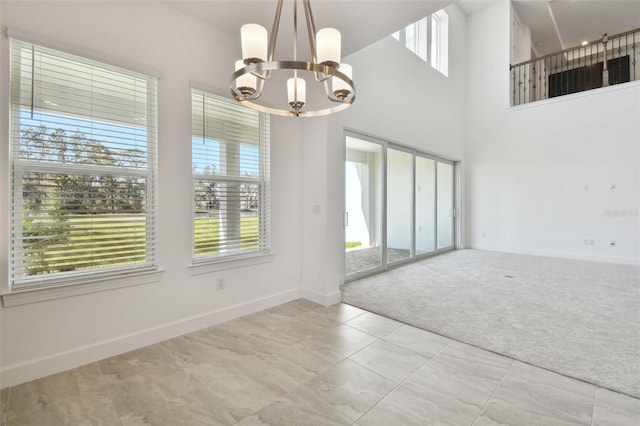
x=558, y=25
x=361, y=22
x=555, y=25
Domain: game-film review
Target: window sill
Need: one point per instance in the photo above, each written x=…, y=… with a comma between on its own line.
x=232, y=262
x=90, y=285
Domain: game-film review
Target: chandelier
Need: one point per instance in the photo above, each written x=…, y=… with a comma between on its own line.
x=257, y=66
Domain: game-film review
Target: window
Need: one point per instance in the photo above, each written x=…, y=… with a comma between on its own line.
x=415, y=38
x=440, y=42
x=83, y=169
x=230, y=163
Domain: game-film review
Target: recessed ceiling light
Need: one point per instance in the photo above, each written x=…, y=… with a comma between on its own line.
x=584, y=43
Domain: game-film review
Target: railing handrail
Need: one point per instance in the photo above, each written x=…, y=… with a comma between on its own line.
x=541, y=58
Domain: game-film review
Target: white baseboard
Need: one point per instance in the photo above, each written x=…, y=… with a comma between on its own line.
x=15, y=374
x=322, y=299
x=559, y=254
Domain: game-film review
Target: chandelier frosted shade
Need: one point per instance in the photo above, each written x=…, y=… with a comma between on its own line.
x=328, y=46
x=254, y=43
x=255, y=71
x=296, y=92
x=340, y=87
x=246, y=84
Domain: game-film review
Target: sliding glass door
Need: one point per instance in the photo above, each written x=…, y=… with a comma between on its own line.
x=425, y=211
x=445, y=205
x=399, y=205
x=364, y=209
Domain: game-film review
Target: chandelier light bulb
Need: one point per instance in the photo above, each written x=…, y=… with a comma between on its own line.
x=296, y=91
x=341, y=89
x=247, y=83
x=254, y=43
x=328, y=42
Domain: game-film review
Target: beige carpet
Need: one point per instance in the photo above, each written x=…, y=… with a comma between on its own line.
x=580, y=319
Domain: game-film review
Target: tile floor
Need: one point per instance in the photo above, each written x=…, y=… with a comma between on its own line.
x=302, y=364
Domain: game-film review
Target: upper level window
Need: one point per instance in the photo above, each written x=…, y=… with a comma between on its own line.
x=440, y=42
x=416, y=37
x=230, y=163
x=83, y=168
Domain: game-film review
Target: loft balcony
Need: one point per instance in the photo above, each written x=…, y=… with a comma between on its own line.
x=609, y=61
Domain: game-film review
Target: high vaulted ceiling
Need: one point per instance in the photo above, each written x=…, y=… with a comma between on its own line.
x=361, y=22
x=558, y=25
x=555, y=25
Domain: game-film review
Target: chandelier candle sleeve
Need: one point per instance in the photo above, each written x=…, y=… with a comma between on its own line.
x=328, y=45
x=247, y=83
x=297, y=92
x=340, y=88
x=254, y=43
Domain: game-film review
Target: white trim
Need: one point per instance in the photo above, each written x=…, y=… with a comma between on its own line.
x=559, y=254
x=322, y=299
x=90, y=284
x=14, y=374
x=571, y=96
x=229, y=262
x=88, y=53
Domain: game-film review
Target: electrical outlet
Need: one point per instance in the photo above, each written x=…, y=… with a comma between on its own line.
x=592, y=242
x=221, y=284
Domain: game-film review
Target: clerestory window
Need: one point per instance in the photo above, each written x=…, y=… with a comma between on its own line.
x=440, y=42
x=432, y=45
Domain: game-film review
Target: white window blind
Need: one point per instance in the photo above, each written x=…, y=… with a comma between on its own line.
x=83, y=164
x=230, y=162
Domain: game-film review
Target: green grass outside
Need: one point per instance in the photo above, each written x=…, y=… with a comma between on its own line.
x=100, y=241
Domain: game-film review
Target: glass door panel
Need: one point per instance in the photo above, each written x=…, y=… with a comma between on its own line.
x=425, y=188
x=399, y=205
x=445, y=205
x=363, y=203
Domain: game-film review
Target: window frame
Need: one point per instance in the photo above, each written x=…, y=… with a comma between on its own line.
x=440, y=42
x=207, y=263
x=21, y=289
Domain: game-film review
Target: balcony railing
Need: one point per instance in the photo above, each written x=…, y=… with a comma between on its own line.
x=611, y=60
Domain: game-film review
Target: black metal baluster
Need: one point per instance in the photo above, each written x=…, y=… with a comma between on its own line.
x=513, y=96
x=524, y=84
x=546, y=77
x=633, y=50
x=590, y=66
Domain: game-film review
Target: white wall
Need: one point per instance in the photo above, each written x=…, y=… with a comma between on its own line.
x=323, y=192
x=528, y=166
x=402, y=99
x=41, y=338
